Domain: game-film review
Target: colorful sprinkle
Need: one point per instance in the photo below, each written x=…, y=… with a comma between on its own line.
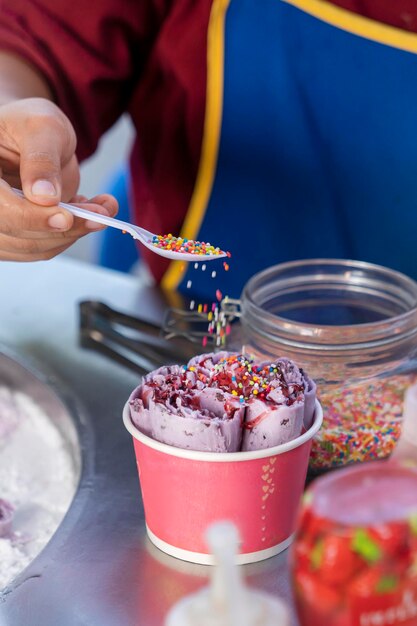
x=180, y=244
x=361, y=422
x=241, y=376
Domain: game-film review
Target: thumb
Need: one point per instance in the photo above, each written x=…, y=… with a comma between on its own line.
x=40, y=168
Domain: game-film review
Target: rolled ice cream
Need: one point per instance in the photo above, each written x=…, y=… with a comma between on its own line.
x=173, y=405
x=224, y=402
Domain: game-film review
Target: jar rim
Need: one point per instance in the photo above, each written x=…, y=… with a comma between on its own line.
x=385, y=330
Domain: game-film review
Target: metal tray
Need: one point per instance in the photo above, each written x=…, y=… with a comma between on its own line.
x=98, y=568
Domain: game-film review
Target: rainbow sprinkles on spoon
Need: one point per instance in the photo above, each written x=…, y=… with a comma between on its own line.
x=168, y=246
x=188, y=246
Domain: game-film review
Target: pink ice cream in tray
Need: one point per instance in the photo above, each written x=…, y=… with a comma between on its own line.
x=224, y=402
x=6, y=517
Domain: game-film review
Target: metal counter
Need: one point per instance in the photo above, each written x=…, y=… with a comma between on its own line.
x=99, y=568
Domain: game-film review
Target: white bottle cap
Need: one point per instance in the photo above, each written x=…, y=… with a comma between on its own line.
x=410, y=414
x=227, y=601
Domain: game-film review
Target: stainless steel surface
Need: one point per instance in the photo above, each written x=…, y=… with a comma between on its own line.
x=99, y=568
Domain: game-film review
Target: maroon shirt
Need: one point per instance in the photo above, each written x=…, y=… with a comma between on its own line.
x=102, y=58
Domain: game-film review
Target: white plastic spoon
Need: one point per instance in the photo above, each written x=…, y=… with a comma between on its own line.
x=144, y=236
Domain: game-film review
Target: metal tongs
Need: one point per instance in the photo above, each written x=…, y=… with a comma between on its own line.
x=128, y=340
x=142, y=345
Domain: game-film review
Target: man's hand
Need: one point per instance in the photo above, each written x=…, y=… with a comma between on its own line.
x=37, y=154
x=37, y=148
x=26, y=233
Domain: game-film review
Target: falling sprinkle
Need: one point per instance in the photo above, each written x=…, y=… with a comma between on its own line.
x=214, y=274
x=189, y=283
x=219, y=295
x=196, y=266
x=192, y=305
x=203, y=267
x=226, y=266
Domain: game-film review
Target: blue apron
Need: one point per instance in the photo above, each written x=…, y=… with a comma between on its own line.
x=316, y=147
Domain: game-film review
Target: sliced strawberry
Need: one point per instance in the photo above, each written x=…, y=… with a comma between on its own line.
x=401, y=563
x=317, y=526
x=393, y=537
x=343, y=618
x=338, y=563
x=301, y=554
x=304, y=515
x=317, y=596
x=371, y=582
x=413, y=544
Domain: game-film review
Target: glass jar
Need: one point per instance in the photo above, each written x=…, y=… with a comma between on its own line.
x=353, y=326
x=354, y=558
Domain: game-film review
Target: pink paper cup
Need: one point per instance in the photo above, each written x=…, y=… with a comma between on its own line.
x=184, y=491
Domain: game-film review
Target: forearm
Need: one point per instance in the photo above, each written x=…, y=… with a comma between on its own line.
x=19, y=79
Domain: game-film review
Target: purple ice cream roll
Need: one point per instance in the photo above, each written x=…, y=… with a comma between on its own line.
x=268, y=425
x=174, y=406
x=310, y=395
x=6, y=518
x=297, y=375
x=280, y=415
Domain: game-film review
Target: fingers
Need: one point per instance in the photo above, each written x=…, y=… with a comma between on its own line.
x=25, y=230
x=104, y=204
x=108, y=202
x=14, y=249
x=37, y=142
x=18, y=215
x=70, y=177
x=46, y=147
x=40, y=168
x=21, y=218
